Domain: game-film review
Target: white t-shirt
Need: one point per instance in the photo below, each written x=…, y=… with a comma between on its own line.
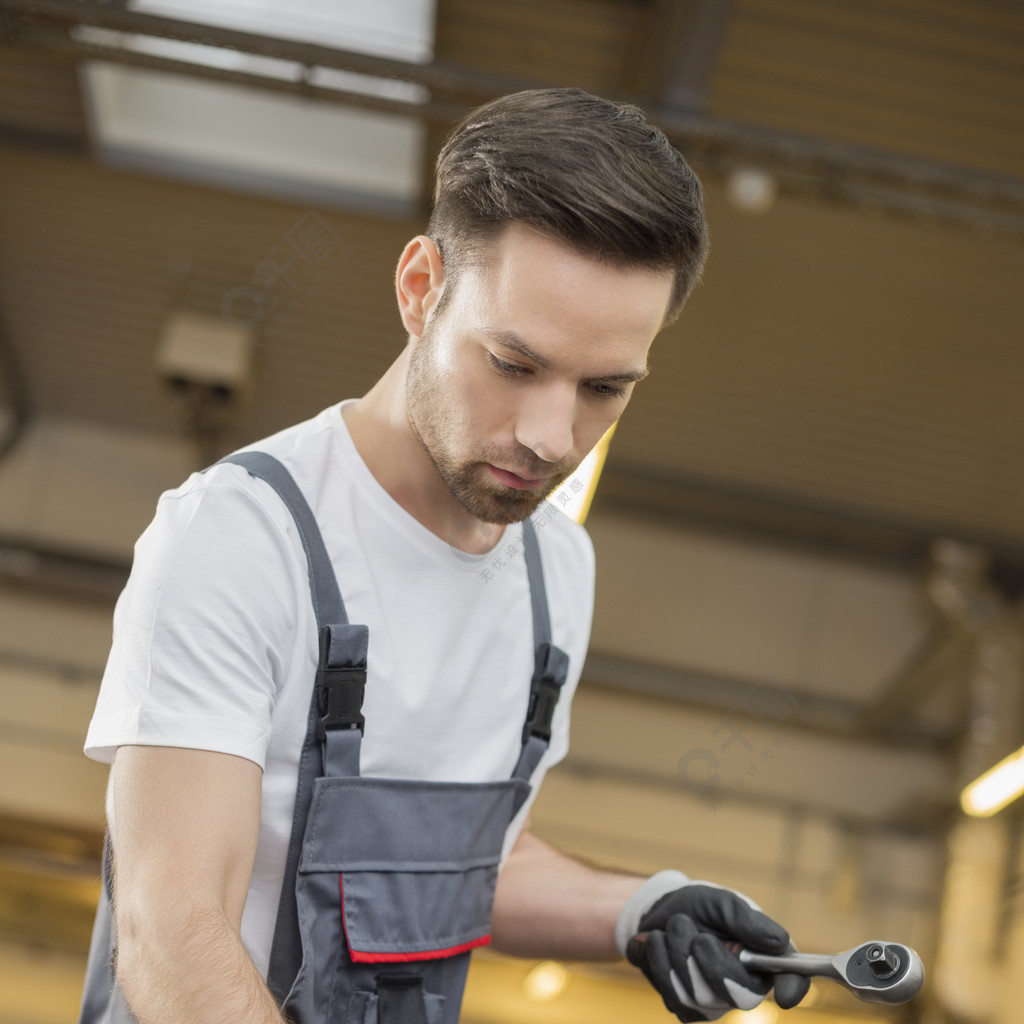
x=214, y=642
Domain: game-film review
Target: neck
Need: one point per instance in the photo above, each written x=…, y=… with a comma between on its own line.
x=382, y=434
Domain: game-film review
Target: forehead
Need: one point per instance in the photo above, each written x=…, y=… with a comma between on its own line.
x=545, y=292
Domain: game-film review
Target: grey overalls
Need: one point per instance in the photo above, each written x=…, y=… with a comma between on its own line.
x=389, y=883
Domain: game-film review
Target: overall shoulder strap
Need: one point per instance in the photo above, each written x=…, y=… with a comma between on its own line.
x=335, y=722
x=551, y=665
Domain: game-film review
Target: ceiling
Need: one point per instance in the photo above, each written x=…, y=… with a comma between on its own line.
x=846, y=378
x=847, y=371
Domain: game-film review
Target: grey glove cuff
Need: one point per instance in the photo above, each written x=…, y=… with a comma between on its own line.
x=641, y=901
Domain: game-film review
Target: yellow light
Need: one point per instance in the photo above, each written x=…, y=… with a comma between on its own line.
x=998, y=787
x=764, y=1013
x=545, y=982
x=575, y=495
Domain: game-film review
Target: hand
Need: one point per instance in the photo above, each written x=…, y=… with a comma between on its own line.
x=686, y=944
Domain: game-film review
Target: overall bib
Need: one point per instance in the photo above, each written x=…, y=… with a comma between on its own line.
x=389, y=883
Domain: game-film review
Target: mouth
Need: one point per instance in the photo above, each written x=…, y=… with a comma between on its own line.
x=520, y=483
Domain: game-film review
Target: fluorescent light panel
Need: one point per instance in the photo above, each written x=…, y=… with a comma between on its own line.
x=998, y=787
x=153, y=115
x=400, y=29
x=266, y=142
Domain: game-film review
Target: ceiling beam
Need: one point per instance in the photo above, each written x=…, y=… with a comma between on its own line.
x=803, y=522
x=700, y=29
x=31, y=564
x=922, y=820
x=831, y=717
x=25, y=18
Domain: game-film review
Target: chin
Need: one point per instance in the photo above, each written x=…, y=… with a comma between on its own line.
x=501, y=509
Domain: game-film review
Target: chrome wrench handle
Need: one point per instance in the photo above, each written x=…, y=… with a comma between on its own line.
x=810, y=965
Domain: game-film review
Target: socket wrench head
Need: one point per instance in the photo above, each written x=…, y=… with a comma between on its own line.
x=881, y=972
x=875, y=972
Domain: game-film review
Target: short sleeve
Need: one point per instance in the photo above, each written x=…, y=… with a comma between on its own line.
x=205, y=624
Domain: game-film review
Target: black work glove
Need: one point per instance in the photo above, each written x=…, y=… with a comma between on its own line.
x=687, y=941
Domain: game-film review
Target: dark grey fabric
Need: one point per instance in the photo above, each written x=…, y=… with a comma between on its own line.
x=418, y=860
x=102, y=1000
x=361, y=1008
x=538, y=592
x=400, y=999
x=445, y=826
x=395, y=869
x=347, y=645
x=341, y=647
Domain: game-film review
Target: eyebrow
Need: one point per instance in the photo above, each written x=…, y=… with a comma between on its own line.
x=511, y=340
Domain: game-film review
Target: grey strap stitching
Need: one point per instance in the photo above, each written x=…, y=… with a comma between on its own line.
x=538, y=592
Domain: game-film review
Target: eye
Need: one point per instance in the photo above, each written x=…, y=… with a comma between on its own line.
x=506, y=369
x=607, y=390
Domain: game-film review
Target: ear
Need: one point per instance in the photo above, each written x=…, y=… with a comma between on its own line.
x=419, y=281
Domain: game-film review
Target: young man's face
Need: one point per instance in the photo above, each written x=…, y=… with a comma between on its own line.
x=530, y=361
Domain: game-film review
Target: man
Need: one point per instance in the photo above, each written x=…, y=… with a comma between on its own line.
x=341, y=858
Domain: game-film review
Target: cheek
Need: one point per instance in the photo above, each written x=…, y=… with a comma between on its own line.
x=483, y=398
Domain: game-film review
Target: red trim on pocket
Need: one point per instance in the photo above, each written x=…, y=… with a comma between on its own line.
x=427, y=954
x=393, y=958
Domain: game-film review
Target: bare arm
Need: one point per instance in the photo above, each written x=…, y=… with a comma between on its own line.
x=549, y=905
x=186, y=823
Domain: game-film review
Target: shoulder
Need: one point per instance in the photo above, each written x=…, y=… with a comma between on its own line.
x=306, y=451
x=224, y=526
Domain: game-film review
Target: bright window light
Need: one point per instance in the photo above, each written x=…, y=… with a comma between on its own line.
x=252, y=140
x=999, y=786
x=576, y=494
x=259, y=141
x=400, y=29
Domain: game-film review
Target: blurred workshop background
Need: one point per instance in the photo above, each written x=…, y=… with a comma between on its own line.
x=810, y=525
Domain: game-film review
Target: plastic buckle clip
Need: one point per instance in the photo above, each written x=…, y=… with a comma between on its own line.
x=339, y=697
x=549, y=675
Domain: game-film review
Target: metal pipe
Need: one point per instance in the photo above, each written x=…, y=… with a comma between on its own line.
x=35, y=565
x=471, y=85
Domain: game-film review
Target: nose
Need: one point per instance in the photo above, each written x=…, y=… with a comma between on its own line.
x=545, y=423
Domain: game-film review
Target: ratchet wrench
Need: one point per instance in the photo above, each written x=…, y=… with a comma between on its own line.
x=876, y=972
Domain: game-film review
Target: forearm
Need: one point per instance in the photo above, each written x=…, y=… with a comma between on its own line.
x=187, y=823
x=189, y=965
x=549, y=905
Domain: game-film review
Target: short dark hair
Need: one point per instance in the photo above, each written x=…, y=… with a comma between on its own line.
x=585, y=171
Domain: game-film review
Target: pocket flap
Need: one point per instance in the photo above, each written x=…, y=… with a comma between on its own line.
x=364, y=824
